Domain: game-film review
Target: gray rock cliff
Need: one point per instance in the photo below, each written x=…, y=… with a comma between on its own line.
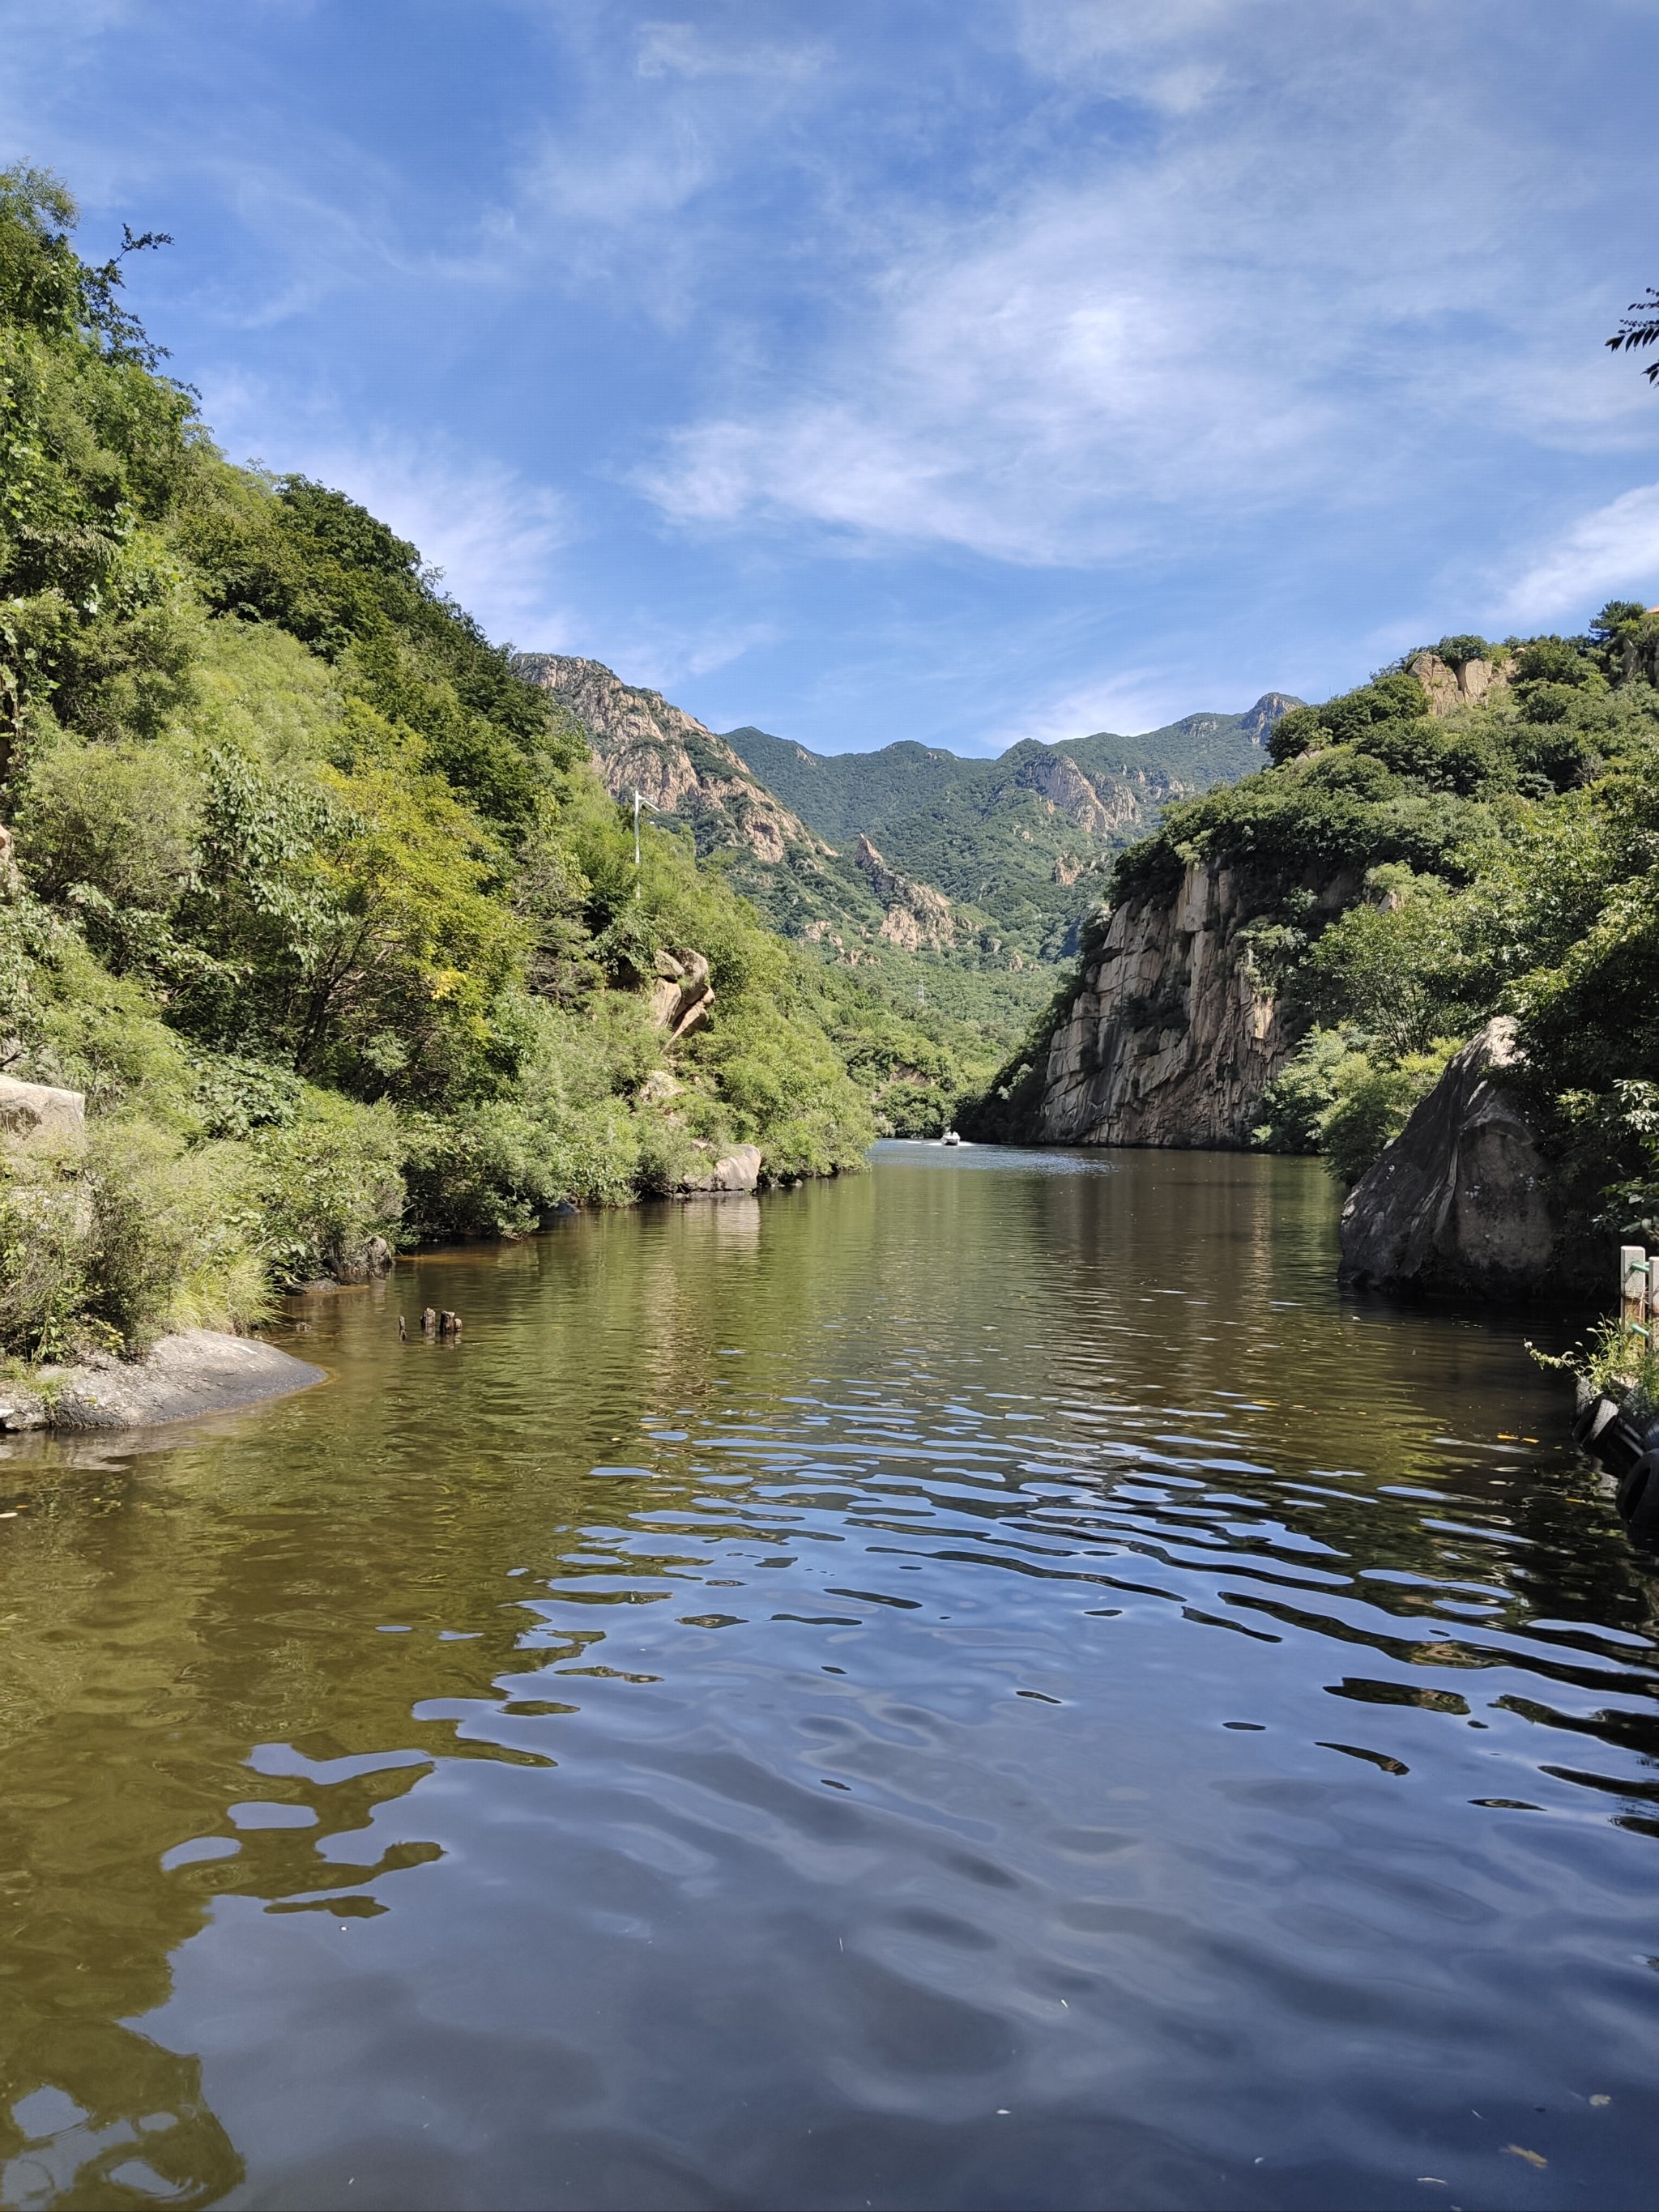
x=1460, y=1201
x=1172, y=1033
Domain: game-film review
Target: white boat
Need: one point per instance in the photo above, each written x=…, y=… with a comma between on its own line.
x=949, y=1138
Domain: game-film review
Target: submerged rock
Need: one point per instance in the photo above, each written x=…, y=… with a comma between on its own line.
x=1460, y=1200
x=197, y=1371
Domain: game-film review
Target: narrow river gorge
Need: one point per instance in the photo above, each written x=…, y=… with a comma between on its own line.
x=989, y=1682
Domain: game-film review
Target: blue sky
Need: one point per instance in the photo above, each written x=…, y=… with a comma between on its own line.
x=957, y=369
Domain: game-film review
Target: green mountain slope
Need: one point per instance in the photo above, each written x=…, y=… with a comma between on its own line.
x=1026, y=838
x=318, y=903
x=1475, y=832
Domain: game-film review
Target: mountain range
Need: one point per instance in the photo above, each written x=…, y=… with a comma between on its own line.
x=912, y=850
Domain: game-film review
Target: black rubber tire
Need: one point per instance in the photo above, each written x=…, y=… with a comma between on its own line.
x=1584, y=1422
x=1638, y=1497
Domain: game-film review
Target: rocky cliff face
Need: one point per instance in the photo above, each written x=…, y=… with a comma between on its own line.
x=1105, y=809
x=641, y=743
x=1461, y=1201
x=805, y=886
x=1172, y=1033
x=916, y=914
x=1450, y=685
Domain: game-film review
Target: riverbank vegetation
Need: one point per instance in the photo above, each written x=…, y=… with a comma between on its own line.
x=1494, y=847
x=323, y=909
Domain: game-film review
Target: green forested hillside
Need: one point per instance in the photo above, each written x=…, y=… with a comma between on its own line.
x=1025, y=840
x=1498, y=848
x=323, y=909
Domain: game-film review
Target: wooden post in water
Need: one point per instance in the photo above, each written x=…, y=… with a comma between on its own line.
x=1634, y=1286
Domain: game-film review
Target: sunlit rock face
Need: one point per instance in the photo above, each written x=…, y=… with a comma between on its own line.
x=1450, y=685
x=916, y=914
x=641, y=743
x=41, y=1114
x=1173, y=1032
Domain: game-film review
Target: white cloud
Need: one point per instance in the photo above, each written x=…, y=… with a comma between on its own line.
x=1127, y=46
x=493, y=535
x=1051, y=389
x=1607, y=553
x=659, y=656
x=1253, y=298
x=684, y=50
x=1128, y=701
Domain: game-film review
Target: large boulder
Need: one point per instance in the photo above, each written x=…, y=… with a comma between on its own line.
x=1461, y=1201
x=197, y=1371
x=737, y=1173
x=37, y=1113
x=682, y=996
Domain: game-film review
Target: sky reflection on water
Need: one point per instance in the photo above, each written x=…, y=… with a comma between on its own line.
x=986, y=1683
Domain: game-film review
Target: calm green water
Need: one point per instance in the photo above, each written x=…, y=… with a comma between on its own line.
x=986, y=1684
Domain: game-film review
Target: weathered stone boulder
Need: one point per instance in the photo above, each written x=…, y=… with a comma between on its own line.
x=197, y=1371
x=1460, y=1201
x=362, y=1263
x=37, y=1113
x=682, y=997
x=739, y=1173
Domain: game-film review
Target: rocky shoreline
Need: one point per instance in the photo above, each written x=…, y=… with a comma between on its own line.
x=197, y=1371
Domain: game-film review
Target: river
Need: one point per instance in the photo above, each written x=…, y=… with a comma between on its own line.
x=988, y=1683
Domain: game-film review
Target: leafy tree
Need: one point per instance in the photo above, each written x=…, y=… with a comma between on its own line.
x=1639, y=327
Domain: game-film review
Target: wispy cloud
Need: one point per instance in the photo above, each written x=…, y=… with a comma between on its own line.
x=971, y=369
x=1255, y=301
x=689, y=49
x=497, y=535
x=1128, y=701
x=1611, y=552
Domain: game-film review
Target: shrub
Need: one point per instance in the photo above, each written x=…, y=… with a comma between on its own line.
x=1295, y=1103
x=110, y=1249
x=1373, y=1103
x=320, y=1187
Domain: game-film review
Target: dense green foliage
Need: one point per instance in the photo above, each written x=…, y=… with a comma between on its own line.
x=1405, y=874
x=320, y=905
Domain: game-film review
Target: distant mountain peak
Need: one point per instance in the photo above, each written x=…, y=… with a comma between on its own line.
x=1260, y=719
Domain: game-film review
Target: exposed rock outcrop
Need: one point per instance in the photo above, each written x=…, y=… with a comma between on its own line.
x=40, y=1113
x=1260, y=719
x=1172, y=1033
x=197, y=1371
x=917, y=915
x=736, y=1174
x=1453, y=685
x=682, y=997
x=641, y=743
x=1460, y=1201
x=1056, y=777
